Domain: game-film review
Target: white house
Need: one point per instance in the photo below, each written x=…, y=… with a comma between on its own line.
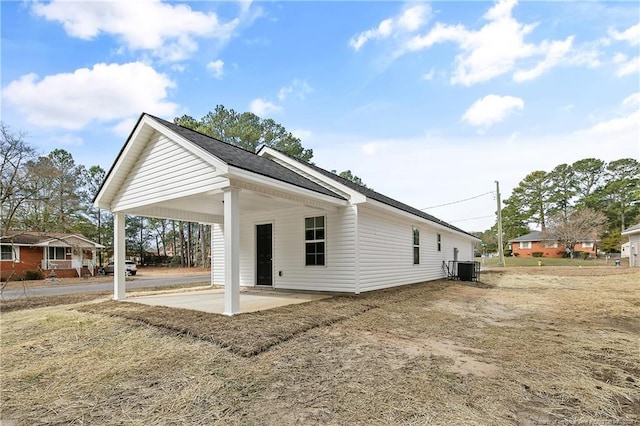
x=634, y=244
x=624, y=250
x=276, y=221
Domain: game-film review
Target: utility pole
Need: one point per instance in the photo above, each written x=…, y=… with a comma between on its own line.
x=500, y=243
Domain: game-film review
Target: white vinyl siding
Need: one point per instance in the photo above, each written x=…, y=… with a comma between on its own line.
x=338, y=274
x=384, y=251
x=164, y=170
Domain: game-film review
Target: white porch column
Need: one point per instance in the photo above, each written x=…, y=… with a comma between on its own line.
x=211, y=236
x=231, y=252
x=119, y=249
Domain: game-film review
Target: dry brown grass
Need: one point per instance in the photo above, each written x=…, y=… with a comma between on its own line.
x=525, y=349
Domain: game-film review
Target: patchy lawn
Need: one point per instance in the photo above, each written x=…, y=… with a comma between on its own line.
x=523, y=347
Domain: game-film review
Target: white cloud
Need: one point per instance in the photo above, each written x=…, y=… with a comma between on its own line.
x=302, y=134
x=626, y=67
x=494, y=49
x=104, y=93
x=628, y=119
x=261, y=107
x=299, y=88
x=168, y=31
x=411, y=19
x=429, y=75
x=631, y=35
x=556, y=51
x=372, y=148
x=491, y=109
x=216, y=67
x=123, y=128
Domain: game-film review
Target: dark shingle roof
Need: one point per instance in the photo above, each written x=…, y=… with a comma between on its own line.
x=28, y=238
x=246, y=160
x=531, y=236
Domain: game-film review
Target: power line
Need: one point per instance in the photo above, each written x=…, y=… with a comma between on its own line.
x=472, y=218
x=459, y=201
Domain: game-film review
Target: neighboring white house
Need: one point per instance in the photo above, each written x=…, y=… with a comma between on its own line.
x=624, y=250
x=276, y=221
x=634, y=244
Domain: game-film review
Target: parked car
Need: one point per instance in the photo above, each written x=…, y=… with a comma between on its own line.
x=130, y=268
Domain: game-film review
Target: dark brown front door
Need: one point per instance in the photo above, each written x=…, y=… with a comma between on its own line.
x=264, y=255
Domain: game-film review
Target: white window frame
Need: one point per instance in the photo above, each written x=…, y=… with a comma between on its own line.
x=15, y=253
x=415, y=232
x=551, y=244
x=439, y=242
x=316, y=240
x=587, y=244
x=525, y=245
x=64, y=249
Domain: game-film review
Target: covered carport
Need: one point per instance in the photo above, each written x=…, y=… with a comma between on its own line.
x=167, y=171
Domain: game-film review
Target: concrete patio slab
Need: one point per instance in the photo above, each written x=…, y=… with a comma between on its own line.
x=212, y=300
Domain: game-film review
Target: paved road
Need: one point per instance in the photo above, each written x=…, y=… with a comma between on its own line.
x=136, y=282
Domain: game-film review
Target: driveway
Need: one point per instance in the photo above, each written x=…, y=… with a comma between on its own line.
x=139, y=281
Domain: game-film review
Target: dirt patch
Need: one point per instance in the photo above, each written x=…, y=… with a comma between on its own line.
x=528, y=349
x=246, y=334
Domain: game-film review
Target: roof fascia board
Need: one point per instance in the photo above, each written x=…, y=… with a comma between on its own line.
x=398, y=212
x=255, y=178
x=169, y=213
x=218, y=185
x=354, y=196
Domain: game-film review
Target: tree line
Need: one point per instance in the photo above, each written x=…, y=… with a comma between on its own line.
x=588, y=197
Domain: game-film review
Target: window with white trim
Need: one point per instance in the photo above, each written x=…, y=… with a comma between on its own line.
x=525, y=244
x=314, y=241
x=416, y=246
x=551, y=244
x=439, y=240
x=6, y=253
x=57, y=253
x=586, y=244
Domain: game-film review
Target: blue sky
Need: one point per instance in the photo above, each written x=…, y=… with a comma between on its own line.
x=428, y=102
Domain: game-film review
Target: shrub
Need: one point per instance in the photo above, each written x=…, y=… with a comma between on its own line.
x=516, y=254
x=33, y=275
x=584, y=255
x=537, y=254
x=507, y=253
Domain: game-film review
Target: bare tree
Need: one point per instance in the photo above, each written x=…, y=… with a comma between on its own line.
x=14, y=192
x=584, y=224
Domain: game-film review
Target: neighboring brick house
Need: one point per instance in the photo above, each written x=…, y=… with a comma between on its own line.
x=526, y=245
x=69, y=255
